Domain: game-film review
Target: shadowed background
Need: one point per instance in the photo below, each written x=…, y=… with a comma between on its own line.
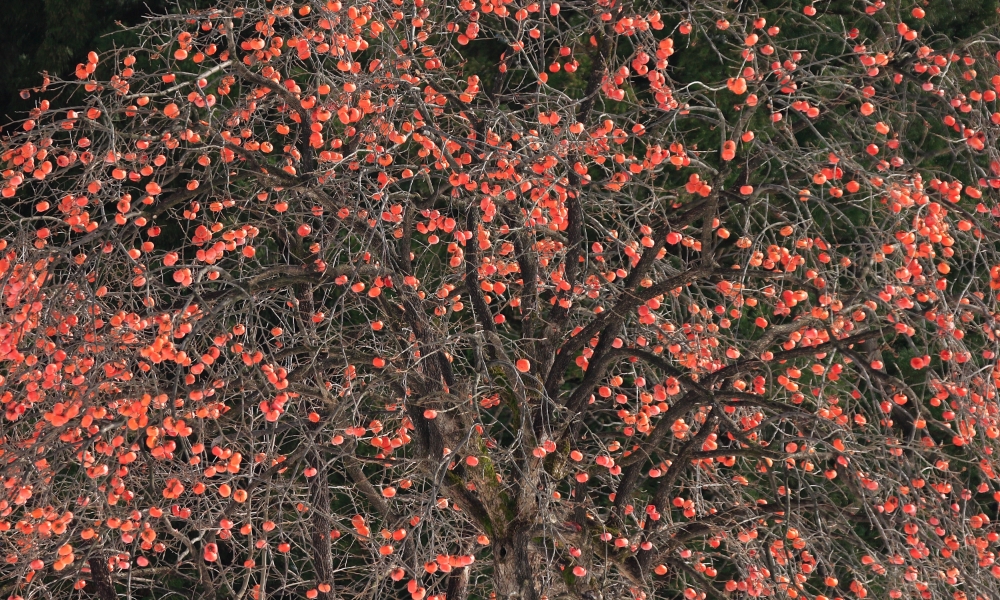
x=55, y=35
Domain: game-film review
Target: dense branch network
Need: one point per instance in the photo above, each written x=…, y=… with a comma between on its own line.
x=589, y=299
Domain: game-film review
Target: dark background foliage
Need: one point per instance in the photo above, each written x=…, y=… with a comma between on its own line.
x=55, y=35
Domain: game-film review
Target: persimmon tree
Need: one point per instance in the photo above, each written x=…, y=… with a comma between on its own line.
x=589, y=299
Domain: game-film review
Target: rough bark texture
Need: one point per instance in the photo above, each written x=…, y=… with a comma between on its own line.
x=321, y=549
x=458, y=584
x=514, y=575
x=100, y=577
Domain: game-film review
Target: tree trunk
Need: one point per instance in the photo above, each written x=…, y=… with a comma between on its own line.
x=101, y=578
x=514, y=576
x=458, y=584
x=322, y=557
